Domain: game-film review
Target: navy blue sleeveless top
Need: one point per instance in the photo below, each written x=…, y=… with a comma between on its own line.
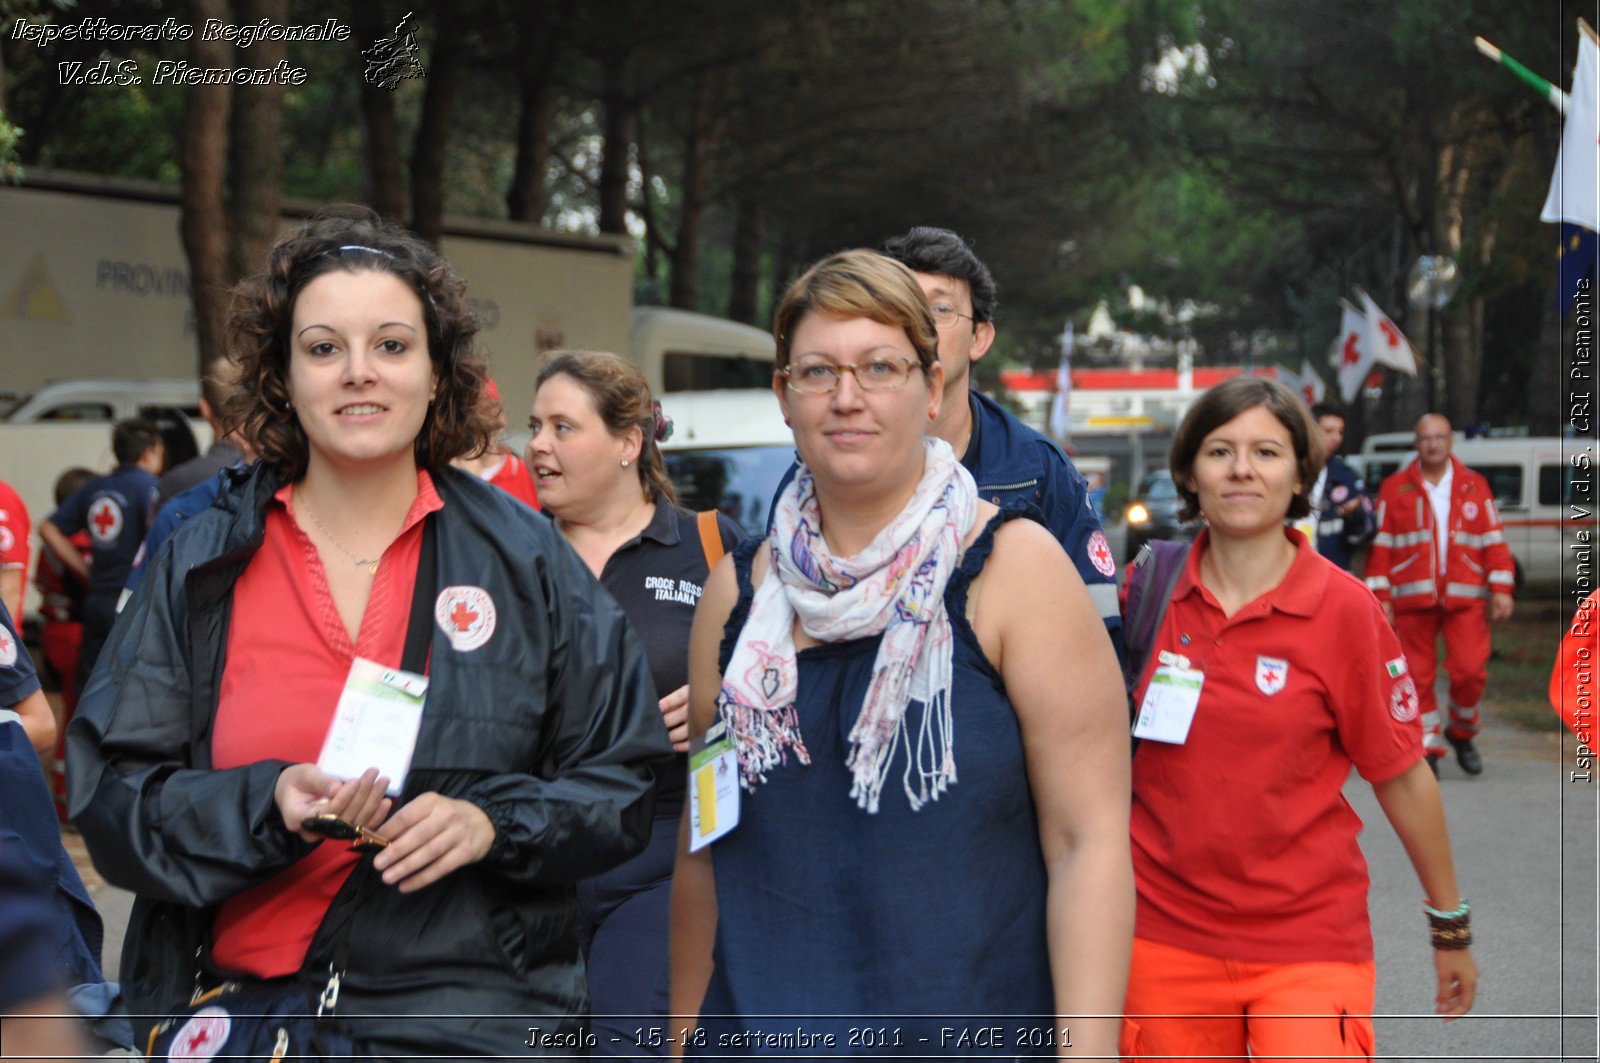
x=899, y=933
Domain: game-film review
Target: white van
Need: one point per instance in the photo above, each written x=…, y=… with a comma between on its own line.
x=679, y=350
x=1533, y=479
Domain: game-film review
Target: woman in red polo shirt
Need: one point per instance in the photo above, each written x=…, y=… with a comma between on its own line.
x=534, y=754
x=1272, y=674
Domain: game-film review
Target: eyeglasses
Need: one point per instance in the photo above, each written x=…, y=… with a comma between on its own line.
x=945, y=315
x=875, y=374
x=340, y=829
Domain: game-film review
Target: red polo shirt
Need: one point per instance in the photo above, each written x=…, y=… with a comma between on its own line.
x=1243, y=845
x=287, y=658
x=14, y=529
x=513, y=477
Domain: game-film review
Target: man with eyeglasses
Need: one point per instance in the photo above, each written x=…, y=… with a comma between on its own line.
x=1440, y=563
x=1009, y=460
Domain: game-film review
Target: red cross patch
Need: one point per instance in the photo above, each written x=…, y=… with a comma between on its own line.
x=8, y=649
x=1403, y=700
x=105, y=520
x=202, y=1037
x=1100, y=555
x=466, y=615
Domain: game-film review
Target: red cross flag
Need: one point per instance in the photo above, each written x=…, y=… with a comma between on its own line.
x=1355, y=352
x=1311, y=387
x=1389, y=348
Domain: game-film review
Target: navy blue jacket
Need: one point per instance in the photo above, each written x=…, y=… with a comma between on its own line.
x=550, y=727
x=1338, y=537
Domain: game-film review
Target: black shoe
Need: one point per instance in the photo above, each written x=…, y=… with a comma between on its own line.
x=1433, y=764
x=1467, y=754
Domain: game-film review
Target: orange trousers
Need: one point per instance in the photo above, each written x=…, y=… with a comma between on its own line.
x=1185, y=1006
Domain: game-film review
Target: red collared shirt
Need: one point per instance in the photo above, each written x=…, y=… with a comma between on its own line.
x=14, y=529
x=1243, y=845
x=287, y=658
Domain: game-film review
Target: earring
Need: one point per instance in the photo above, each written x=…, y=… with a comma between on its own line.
x=624, y=463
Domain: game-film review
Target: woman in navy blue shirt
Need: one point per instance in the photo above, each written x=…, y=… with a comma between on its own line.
x=599, y=474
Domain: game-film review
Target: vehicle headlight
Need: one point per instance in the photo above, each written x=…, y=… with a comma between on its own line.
x=1138, y=514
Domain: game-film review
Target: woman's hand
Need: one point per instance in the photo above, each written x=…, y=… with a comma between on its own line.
x=675, y=714
x=305, y=790
x=431, y=837
x=1458, y=982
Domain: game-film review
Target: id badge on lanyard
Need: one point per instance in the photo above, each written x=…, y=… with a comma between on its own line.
x=375, y=724
x=1170, y=700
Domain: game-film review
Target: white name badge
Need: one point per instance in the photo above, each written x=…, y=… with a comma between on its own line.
x=713, y=787
x=1169, y=703
x=375, y=724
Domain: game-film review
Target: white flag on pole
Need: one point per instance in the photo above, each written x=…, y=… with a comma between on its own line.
x=1355, y=352
x=1389, y=347
x=1061, y=407
x=1572, y=187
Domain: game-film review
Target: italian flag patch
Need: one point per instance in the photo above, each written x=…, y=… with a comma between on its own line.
x=1397, y=667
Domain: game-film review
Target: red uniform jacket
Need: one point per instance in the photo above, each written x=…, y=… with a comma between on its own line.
x=1403, y=566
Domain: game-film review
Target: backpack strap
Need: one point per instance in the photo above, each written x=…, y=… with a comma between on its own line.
x=1151, y=582
x=710, y=537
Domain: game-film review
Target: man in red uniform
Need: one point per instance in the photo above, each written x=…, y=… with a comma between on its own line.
x=1438, y=559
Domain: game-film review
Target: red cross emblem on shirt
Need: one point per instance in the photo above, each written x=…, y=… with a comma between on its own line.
x=198, y=1040
x=104, y=519
x=462, y=617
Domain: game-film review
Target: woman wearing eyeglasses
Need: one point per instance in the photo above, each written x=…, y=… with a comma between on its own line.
x=195, y=749
x=594, y=453
x=932, y=832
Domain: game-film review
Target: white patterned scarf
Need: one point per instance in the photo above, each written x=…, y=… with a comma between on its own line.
x=895, y=586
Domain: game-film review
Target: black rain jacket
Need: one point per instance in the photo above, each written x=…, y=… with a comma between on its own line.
x=551, y=727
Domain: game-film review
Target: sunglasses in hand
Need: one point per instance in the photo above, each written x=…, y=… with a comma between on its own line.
x=340, y=829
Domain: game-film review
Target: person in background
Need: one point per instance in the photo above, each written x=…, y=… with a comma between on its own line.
x=61, y=597
x=1339, y=504
x=1252, y=930
x=601, y=478
x=886, y=633
x=196, y=746
x=216, y=384
x=1440, y=565
x=115, y=511
x=1572, y=682
x=30, y=841
x=498, y=465
x=15, y=551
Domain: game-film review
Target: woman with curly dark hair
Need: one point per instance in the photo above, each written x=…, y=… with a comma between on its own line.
x=352, y=556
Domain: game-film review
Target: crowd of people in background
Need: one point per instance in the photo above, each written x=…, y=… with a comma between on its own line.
x=671, y=789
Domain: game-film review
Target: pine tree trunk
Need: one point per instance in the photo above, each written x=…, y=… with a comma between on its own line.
x=203, y=213
x=382, y=170
x=618, y=117
x=431, y=149
x=255, y=147
x=744, y=301
x=538, y=47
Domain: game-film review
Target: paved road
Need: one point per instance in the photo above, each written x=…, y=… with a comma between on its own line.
x=1524, y=838
x=1525, y=843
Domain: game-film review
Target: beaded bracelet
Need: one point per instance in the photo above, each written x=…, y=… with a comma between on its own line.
x=1450, y=930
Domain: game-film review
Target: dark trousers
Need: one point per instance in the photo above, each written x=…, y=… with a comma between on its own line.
x=99, y=613
x=622, y=924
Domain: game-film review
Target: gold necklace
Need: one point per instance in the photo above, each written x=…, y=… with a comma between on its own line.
x=370, y=564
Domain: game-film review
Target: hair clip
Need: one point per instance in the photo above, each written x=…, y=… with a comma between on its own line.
x=663, y=422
